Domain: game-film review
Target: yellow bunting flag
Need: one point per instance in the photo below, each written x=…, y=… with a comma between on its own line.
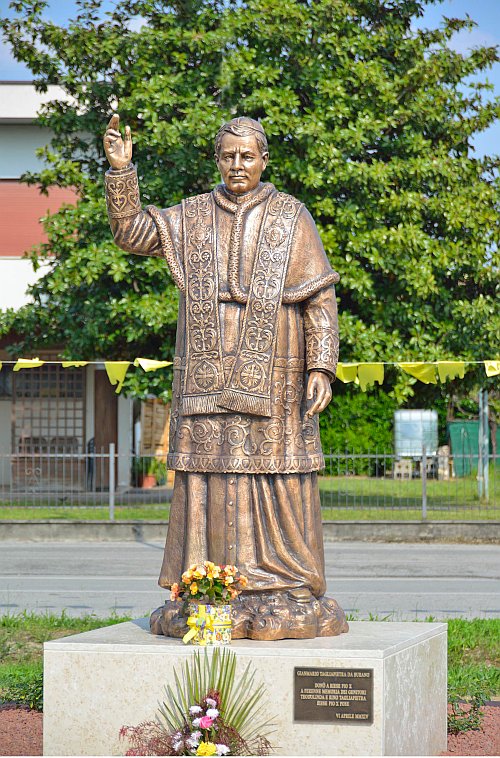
x=450, y=370
x=347, y=372
x=74, y=364
x=197, y=623
x=492, y=368
x=116, y=371
x=28, y=363
x=424, y=372
x=0, y=365
x=369, y=373
x=149, y=365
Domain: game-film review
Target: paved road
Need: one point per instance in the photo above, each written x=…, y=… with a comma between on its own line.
x=403, y=581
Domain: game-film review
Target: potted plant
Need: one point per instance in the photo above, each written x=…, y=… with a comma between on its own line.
x=144, y=472
x=207, y=591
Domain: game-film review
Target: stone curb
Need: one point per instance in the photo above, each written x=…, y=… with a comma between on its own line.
x=334, y=531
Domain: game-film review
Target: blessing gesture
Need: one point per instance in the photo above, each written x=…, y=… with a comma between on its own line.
x=118, y=151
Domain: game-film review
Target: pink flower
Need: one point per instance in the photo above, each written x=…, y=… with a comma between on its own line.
x=206, y=722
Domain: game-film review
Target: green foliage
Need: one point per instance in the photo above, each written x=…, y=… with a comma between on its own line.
x=369, y=124
x=245, y=708
x=357, y=421
x=466, y=716
x=474, y=656
x=473, y=670
x=23, y=685
x=44, y=625
x=21, y=646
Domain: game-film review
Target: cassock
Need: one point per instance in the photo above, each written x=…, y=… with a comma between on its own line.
x=257, y=314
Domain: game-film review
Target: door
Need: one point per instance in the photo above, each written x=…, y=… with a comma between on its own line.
x=105, y=426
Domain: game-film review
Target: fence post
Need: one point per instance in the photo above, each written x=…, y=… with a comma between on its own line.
x=112, y=481
x=423, y=474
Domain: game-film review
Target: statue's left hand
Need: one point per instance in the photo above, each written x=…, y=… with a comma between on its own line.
x=318, y=390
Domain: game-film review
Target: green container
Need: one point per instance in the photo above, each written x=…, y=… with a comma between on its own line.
x=464, y=443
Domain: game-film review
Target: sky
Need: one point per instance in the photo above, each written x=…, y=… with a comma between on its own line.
x=486, y=13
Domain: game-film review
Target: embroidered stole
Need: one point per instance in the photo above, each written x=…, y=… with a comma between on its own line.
x=248, y=389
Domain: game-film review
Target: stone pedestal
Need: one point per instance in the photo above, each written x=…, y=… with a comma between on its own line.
x=98, y=681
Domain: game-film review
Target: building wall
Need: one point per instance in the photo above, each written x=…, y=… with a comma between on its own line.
x=15, y=277
x=22, y=208
x=19, y=145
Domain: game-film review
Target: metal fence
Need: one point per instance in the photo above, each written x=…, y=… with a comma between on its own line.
x=353, y=486
x=386, y=487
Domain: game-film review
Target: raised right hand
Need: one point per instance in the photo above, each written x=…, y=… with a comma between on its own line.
x=118, y=151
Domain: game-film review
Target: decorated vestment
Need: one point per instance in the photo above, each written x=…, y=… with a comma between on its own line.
x=257, y=313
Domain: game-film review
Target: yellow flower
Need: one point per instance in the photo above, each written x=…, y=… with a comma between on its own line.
x=206, y=748
x=243, y=581
x=194, y=588
x=200, y=572
x=228, y=580
x=187, y=576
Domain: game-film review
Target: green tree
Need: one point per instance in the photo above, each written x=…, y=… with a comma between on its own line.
x=370, y=124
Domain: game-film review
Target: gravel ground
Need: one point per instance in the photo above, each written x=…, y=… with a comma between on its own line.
x=21, y=734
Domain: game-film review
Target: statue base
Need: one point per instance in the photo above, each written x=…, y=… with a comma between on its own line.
x=295, y=614
x=98, y=681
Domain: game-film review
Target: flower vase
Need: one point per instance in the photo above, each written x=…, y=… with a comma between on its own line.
x=211, y=622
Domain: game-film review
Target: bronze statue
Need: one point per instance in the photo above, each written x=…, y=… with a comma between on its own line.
x=256, y=351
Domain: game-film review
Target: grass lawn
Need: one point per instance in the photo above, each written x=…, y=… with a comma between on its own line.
x=473, y=652
x=367, y=498
x=84, y=513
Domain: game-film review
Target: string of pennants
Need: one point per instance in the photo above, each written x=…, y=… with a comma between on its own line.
x=362, y=374
x=116, y=370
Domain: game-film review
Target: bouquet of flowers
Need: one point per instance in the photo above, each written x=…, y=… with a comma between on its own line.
x=204, y=733
x=208, y=712
x=209, y=583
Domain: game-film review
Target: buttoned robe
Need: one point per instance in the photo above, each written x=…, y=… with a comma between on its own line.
x=246, y=487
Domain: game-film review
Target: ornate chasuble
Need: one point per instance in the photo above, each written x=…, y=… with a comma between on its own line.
x=242, y=355
x=248, y=389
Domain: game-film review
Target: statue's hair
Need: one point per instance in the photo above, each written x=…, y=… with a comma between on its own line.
x=242, y=127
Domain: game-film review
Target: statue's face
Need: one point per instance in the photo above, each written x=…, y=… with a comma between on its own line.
x=240, y=163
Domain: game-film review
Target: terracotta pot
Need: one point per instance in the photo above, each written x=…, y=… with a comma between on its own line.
x=147, y=481
x=216, y=616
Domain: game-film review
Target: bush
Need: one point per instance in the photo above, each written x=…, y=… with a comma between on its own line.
x=358, y=422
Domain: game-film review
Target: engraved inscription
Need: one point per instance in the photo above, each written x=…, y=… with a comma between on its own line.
x=339, y=695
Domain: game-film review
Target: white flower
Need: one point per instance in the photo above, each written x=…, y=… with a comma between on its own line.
x=177, y=745
x=221, y=749
x=195, y=736
x=196, y=723
x=193, y=709
x=192, y=743
x=212, y=713
x=210, y=702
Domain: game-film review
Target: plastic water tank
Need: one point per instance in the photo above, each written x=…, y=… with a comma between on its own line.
x=414, y=429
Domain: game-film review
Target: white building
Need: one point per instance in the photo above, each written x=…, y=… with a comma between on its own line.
x=48, y=409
